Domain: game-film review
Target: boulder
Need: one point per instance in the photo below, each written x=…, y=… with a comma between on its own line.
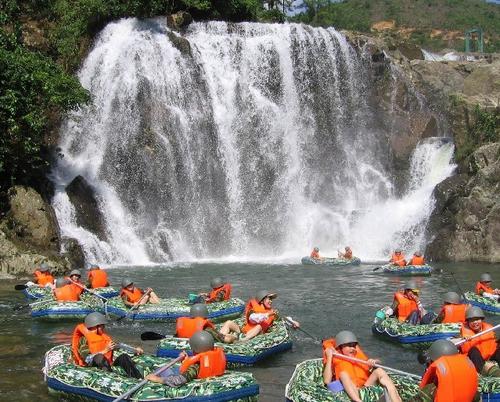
x=73, y=252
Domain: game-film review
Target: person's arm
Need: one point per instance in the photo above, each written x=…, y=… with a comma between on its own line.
x=327, y=368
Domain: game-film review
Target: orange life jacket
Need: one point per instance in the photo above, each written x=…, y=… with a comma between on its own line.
x=327, y=343
x=405, y=306
x=77, y=289
x=482, y=287
x=453, y=313
x=185, y=327
x=132, y=296
x=348, y=255
x=455, y=377
x=417, y=260
x=255, y=307
x=398, y=259
x=95, y=342
x=212, y=363
x=486, y=343
x=315, y=255
x=66, y=293
x=226, y=288
x=358, y=372
x=98, y=278
x=42, y=278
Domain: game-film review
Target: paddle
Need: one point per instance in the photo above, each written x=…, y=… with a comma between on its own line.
x=23, y=306
x=477, y=335
x=382, y=266
x=136, y=304
x=152, y=336
x=89, y=291
x=456, y=283
x=144, y=382
x=290, y=322
x=21, y=287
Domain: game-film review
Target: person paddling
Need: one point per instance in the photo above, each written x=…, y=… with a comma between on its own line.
x=65, y=291
x=352, y=375
x=97, y=278
x=131, y=294
x=398, y=258
x=452, y=310
x=220, y=291
x=315, y=255
x=417, y=259
x=91, y=336
x=43, y=277
x=408, y=307
x=450, y=376
x=74, y=280
x=483, y=287
x=347, y=255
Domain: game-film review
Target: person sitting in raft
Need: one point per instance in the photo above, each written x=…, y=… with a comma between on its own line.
x=347, y=255
x=482, y=348
x=131, y=294
x=315, y=254
x=398, y=258
x=450, y=376
x=92, y=338
x=207, y=361
x=259, y=317
x=452, y=310
x=186, y=327
x=97, y=278
x=43, y=277
x=408, y=307
x=417, y=259
x=65, y=291
x=352, y=375
x=220, y=291
x=483, y=287
x=74, y=280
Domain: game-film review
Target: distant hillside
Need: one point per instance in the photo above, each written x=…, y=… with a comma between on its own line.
x=435, y=24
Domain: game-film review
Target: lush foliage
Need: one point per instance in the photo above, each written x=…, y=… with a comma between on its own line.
x=425, y=16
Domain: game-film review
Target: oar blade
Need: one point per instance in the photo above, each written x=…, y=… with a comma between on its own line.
x=20, y=287
x=151, y=336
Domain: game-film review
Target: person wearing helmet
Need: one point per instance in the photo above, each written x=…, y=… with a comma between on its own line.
x=207, y=361
x=259, y=317
x=97, y=278
x=417, y=259
x=407, y=305
x=74, y=280
x=90, y=336
x=452, y=310
x=65, y=291
x=315, y=255
x=450, y=376
x=197, y=321
x=347, y=255
x=220, y=291
x=482, y=348
x=483, y=287
x=398, y=258
x=132, y=295
x=352, y=375
x=43, y=277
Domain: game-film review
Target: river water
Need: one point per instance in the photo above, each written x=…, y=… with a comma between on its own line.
x=324, y=299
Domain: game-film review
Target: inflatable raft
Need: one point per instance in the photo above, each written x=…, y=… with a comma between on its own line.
x=489, y=388
x=409, y=270
x=276, y=340
x=52, y=310
x=487, y=305
x=331, y=261
x=84, y=383
x=306, y=385
x=36, y=292
x=415, y=335
x=171, y=309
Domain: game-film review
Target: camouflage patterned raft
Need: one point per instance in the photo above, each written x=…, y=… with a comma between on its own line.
x=331, y=261
x=170, y=309
x=409, y=270
x=85, y=383
x=487, y=305
x=410, y=334
x=49, y=309
x=306, y=385
x=37, y=292
x=276, y=340
x=489, y=388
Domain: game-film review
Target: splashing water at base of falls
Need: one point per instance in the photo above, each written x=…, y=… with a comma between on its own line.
x=236, y=141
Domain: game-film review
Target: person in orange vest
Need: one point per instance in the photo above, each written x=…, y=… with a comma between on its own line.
x=352, y=376
x=347, y=255
x=483, y=348
x=483, y=287
x=207, y=361
x=407, y=305
x=417, y=259
x=97, y=278
x=131, y=294
x=450, y=376
x=186, y=327
x=398, y=258
x=43, y=276
x=220, y=291
x=65, y=291
x=452, y=310
x=259, y=317
x=74, y=280
x=315, y=254
x=92, y=338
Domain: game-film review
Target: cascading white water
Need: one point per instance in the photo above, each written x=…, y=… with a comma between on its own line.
x=235, y=141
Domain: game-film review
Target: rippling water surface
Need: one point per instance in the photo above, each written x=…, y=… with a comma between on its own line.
x=324, y=299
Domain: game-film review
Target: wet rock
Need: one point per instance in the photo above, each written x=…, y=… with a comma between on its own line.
x=73, y=252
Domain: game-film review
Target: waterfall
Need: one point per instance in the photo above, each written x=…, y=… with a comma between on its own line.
x=236, y=141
